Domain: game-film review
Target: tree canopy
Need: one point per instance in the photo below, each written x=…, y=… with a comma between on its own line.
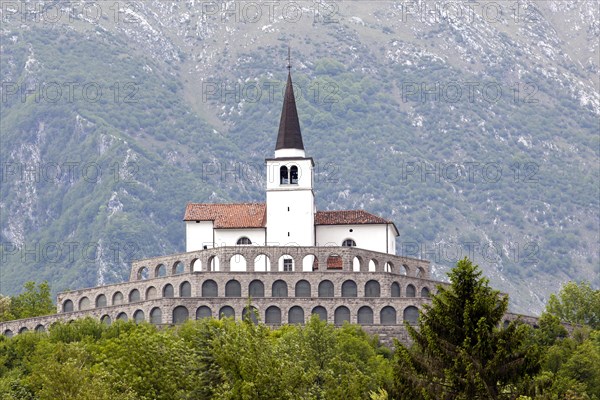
x=460, y=351
x=34, y=301
x=576, y=304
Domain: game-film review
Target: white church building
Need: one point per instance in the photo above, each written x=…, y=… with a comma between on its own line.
x=289, y=216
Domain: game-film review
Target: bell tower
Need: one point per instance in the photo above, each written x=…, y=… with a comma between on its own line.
x=290, y=197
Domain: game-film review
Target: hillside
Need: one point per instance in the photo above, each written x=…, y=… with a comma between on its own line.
x=475, y=130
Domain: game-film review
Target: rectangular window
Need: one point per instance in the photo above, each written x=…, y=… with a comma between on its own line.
x=287, y=265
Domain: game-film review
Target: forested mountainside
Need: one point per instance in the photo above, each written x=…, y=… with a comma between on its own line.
x=473, y=127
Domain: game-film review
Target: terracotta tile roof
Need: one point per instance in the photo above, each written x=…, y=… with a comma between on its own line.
x=237, y=215
x=348, y=217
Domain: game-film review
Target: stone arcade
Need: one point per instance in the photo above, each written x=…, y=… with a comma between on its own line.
x=289, y=259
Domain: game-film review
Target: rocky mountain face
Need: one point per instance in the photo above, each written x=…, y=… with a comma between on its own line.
x=473, y=125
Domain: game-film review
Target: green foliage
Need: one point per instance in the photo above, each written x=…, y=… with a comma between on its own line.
x=33, y=302
x=576, y=304
x=459, y=352
x=207, y=359
x=569, y=362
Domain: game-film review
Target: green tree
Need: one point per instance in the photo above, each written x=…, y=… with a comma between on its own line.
x=459, y=351
x=576, y=304
x=33, y=302
x=5, y=314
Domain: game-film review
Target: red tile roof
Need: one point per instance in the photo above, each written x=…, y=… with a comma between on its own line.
x=253, y=215
x=348, y=217
x=238, y=215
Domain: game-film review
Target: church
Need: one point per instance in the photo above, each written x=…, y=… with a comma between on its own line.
x=289, y=216
x=277, y=262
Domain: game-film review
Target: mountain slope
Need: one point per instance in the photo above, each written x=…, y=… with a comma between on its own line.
x=477, y=133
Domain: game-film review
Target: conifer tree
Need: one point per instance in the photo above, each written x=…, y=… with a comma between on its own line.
x=459, y=349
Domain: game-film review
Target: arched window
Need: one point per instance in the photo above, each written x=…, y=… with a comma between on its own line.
x=203, y=312
x=84, y=303
x=349, y=243
x=372, y=289
x=106, y=320
x=321, y=312
x=178, y=268
x=156, y=316
x=251, y=313
x=395, y=289
x=279, y=289
x=326, y=289
x=233, y=289
x=122, y=317
x=40, y=328
x=117, y=298
x=244, y=240
x=411, y=314
x=256, y=289
x=349, y=289
x=283, y=175
x=303, y=289
x=168, y=291
x=68, y=306
x=294, y=175
x=387, y=316
x=226, y=312
x=296, y=315
x=185, y=289
x=180, y=314
x=273, y=315
x=134, y=295
x=341, y=314
x=139, y=316
x=209, y=288
x=151, y=293
x=365, y=315
x=410, y=291
x=101, y=301
x=160, y=270
x=425, y=292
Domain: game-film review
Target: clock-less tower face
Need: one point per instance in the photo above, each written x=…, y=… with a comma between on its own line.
x=290, y=198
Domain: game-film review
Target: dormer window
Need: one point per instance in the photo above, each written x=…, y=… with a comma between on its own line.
x=283, y=176
x=349, y=243
x=244, y=240
x=294, y=175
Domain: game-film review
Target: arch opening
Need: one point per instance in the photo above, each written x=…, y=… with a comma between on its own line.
x=296, y=315
x=365, y=315
x=326, y=289
x=341, y=314
x=273, y=315
x=233, y=289
x=349, y=289
x=180, y=314
x=210, y=288
x=302, y=289
x=387, y=316
x=372, y=289
x=256, y=289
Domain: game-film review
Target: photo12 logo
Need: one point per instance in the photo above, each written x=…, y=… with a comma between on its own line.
x=489, y=251
x=70, y=92
x=470, y=171
x=69, y=252
x=267, y=91
x=270, y=11
x=67, y=12
x=67, y=172
x=467, y=11
x=456, y=91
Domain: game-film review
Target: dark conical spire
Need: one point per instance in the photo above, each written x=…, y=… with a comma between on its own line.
x=289, y=136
